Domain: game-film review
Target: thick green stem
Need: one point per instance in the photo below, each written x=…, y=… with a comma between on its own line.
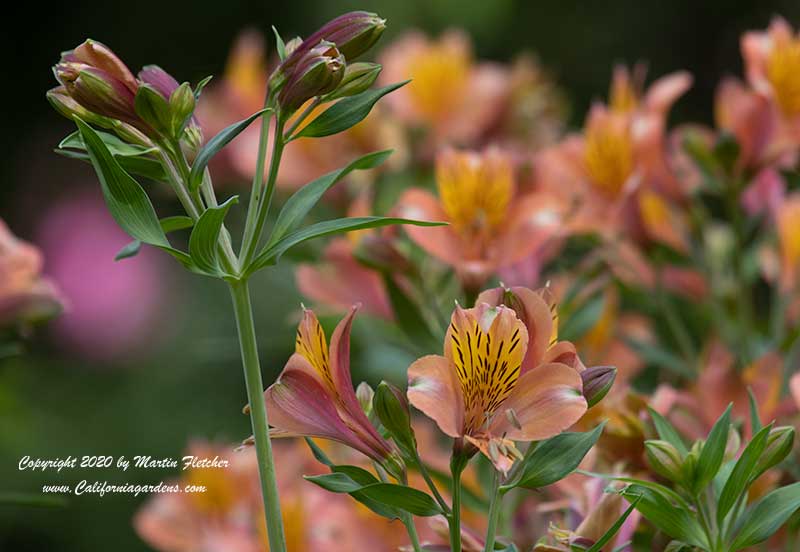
x=494, y=513
x=258, y=414
x=457, y=465
x=423, y=470
x=258, y=182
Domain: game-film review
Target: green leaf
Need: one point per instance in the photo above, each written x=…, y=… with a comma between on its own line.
x=713, y=452
x=335, y=482
x=271, y=255
x=168, y=224
x=345, y=113
x=215, y=145
x=280, y=46
x=363, y=477
x=554, y=459
x=203, y=240
x=608, y=535
x=115, y=145
x=301, y=202
x=668, y=518
x=141, y=166
x=755, y=419
x=766, y=516
x=667, y=432
x=741, y=476
x=409, y=317
x=125, y=198
x=198, y=90
x=404, y=498
x=318, y=453
x=153, y=108
x=658, y=488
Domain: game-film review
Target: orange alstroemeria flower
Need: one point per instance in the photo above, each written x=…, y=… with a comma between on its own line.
x=619, y=172
x=788, y=228
x=314, y=394
x=490, y=225
x=495, y=384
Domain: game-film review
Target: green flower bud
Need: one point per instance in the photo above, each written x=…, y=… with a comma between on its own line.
x=320, y=71
x=69, y=108
x=154, y=109
x=664, y=459
x=733, y=445
x=779, y=444
x=357, y=78
x=391, y=407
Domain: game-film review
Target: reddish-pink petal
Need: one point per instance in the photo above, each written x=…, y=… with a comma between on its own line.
x=564, y=352
x=434, y=389
x=546, y=401
x=439, y=241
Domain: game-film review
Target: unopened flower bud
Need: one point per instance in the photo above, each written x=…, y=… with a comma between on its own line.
x=69, y=108
x=733, y=445
x=689, y=466
x=597, y=382
x=664, y=459
x=97, y=91
x=358, y=77
x=153, y=109
x=391, y=407
x=353, y=33
x=159, y=79
x=100, y=56
x=365, y=394
x=318, y=72
x=779, y=444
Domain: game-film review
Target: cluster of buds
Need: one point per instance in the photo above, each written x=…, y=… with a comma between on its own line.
x=320, y=65
x=98, y=87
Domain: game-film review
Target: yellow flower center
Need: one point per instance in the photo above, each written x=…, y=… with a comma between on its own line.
x=312, y=345
x=609, y=157
x=438, y=79
x=488, y=356
x=475, y=190
x=221, y=491
x=623, y=97
x=783, y=73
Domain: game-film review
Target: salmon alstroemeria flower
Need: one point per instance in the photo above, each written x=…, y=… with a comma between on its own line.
x=788, y=226
x=314, y=394
x=484, y=390
x=772, y=65
x=490, y=225
x=450, y=94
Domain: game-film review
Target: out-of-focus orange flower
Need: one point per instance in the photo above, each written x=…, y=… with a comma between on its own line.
x=772, y=65
x=491, y=226
x=450, y=95
x=618, y=171
x=241, y=92
x=228, y=516
x=25, y=295
x=486, y=390
x=788, y=226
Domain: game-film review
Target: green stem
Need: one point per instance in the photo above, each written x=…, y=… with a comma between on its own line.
x=494, y=513
x=176, y=182
x=423, y=470
x=258, y=414
x=258, y=180
x=262, y=200
x=408, y=521
x=457, y=464
x=306, y=112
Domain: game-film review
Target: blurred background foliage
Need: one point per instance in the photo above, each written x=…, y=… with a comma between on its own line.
x=175, y=373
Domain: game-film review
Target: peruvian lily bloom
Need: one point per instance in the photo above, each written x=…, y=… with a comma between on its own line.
x=772, y=65
x=314, y=394
x=490, y=227
x=788, y=227
x=483, y=391
x=451, y=95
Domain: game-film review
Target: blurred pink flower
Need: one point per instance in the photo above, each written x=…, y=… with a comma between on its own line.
x=114, y=307
x=25, y=295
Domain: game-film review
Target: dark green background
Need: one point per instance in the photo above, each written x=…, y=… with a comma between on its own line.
x=53, y=404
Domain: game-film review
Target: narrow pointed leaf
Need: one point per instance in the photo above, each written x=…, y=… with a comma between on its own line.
x=301, y=202
x=318, y=453
x=766, y=516
x=115, y=145
x=271, y=255
x=198, y=90
x=203, y=240
x=713, y=452
x=667, y=432
x=554, y=459
x=345, y=113
x=673, y=521
x=404, y=498
x=334, y=482
x=127, y=201
x=280, y=45
x=130, y=250
x=612, y=531
x=168, y=224
x=740, y=478
x=215, y=145
x=755, y=419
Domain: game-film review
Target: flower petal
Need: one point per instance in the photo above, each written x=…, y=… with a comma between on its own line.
x=299, y=405
x=434, y=389
x=546, y=401
x=439, y=241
